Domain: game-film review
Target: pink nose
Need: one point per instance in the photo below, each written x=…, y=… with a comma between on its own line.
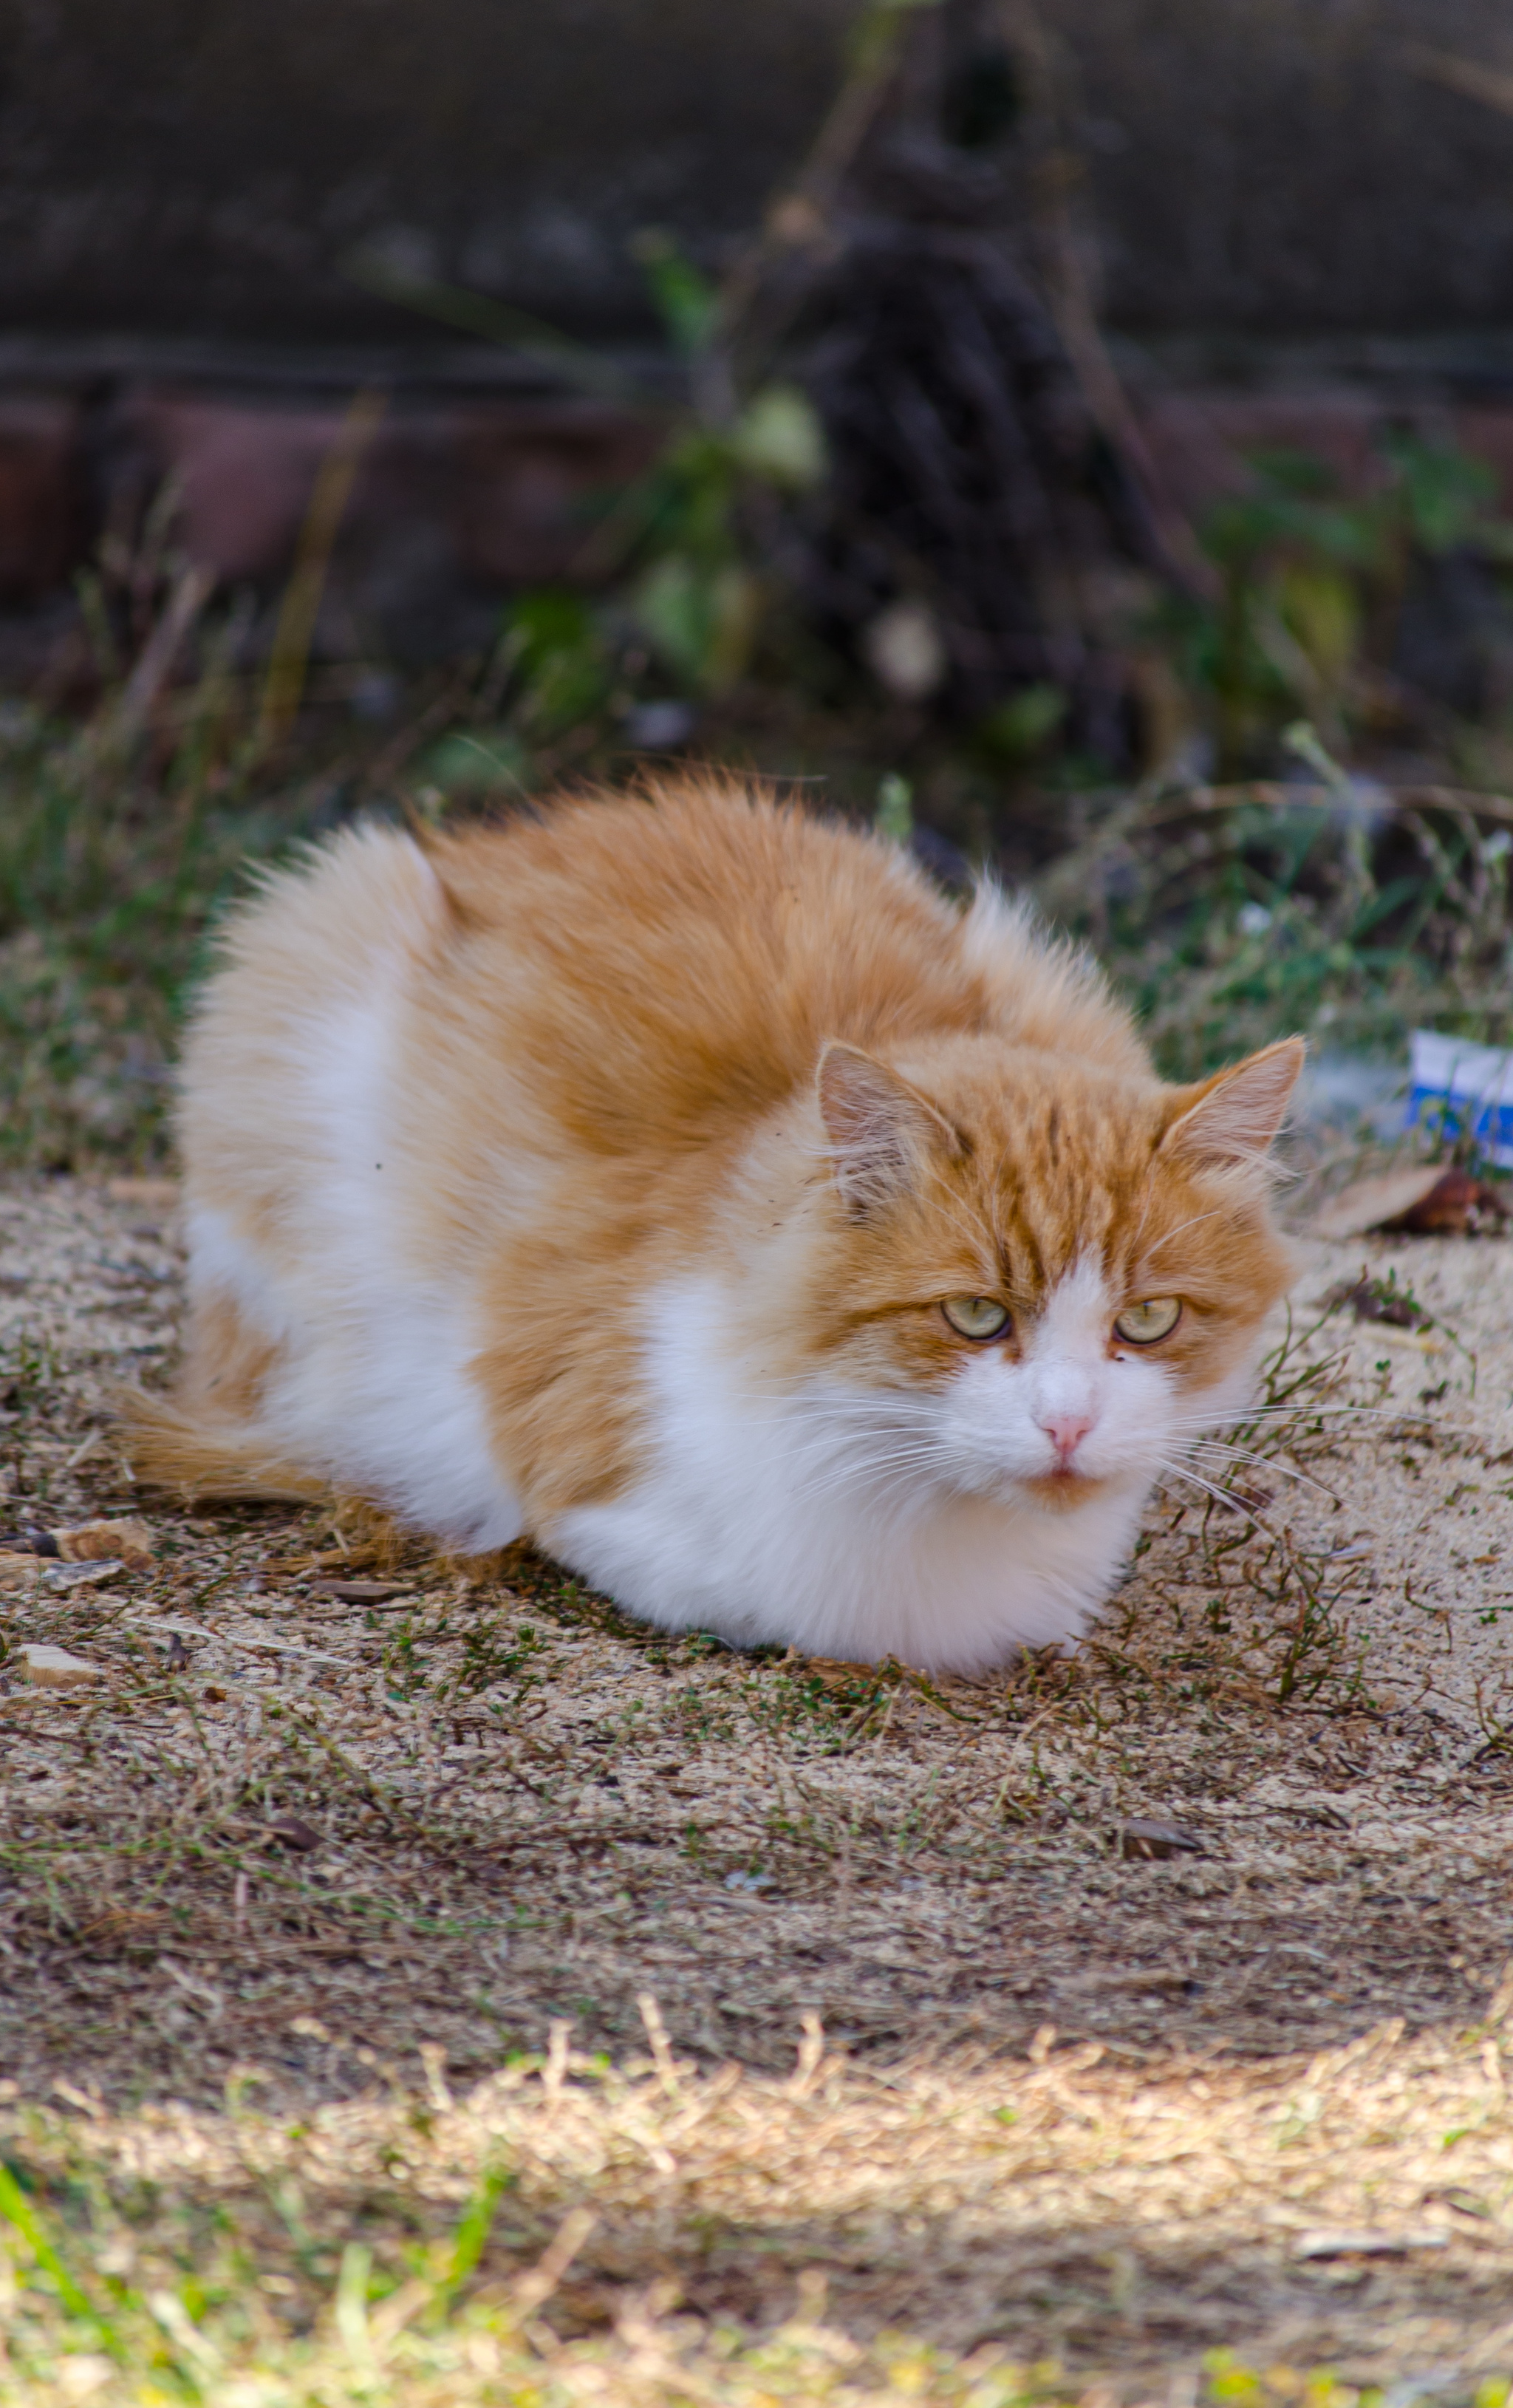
x=1066, y=1433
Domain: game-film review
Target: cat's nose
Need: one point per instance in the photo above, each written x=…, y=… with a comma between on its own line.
x=1066, y=1433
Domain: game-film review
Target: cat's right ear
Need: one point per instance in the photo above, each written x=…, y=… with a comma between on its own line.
x=1231, y=1118
x=881, y=1130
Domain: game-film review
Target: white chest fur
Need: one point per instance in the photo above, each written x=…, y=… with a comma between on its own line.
x=802, y=1519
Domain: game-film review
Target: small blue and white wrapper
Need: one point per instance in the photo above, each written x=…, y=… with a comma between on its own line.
x=1464, y=1087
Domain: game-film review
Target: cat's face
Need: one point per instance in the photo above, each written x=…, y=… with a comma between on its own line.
x=1039, y=1282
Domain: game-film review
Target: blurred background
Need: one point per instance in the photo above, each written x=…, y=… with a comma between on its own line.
x=1076, y=438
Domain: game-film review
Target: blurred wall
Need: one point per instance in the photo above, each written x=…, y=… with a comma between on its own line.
x=182, y=182
x=200, y=167
x=1288, y=166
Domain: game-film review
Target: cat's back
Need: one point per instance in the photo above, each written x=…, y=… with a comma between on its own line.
x=687, y=953
x=675, y=961
x=621, y=975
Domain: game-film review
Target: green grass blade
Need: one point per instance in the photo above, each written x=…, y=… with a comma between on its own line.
x=475, y=2225
x=18, y=2210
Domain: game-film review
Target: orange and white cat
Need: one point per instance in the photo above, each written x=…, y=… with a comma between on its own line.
x=684, y=1184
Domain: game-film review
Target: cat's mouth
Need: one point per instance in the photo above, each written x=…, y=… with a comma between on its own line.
x=1062, y=1488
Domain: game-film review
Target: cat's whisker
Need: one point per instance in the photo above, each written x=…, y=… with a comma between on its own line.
x=1231, y=1419
x=853, y=1424
x=854, y=1443
x=988, y=1256
x=1266, y=1462
x=1196, y=1220
x=1260, y=1464
x=1146, y=1194
x=879, y=1413
x=1292, y=1413
x=1227, y=1446
x=859, y=1469
x=1219, y=1496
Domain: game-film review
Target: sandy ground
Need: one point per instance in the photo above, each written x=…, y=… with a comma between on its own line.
x=331, y=1846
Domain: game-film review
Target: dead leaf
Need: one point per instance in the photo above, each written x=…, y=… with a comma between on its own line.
x=294, y=1833
x=1148, y=1840
x=160, y=1193
x=126, y=1923
x=1372, y=1299
x=80, y=1575
x=1429, y=1200
x=123, y=1543
x=1457, y=1206
x=1420, y=1341
x=1371, y=1203
x=362, y=1592
x=1367, y=2243
x=831, y=1671
x=1393, y=1318
x=18, y=1570
x=53, y=1667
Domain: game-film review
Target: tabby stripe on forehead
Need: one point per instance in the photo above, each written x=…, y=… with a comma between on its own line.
x=1046, y=1256
x=1024, y=1244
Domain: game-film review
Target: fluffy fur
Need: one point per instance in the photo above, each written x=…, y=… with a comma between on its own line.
x=604, y=1178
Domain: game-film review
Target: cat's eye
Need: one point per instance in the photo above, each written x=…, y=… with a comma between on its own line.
x=1143, y=1324
x=976, y=1316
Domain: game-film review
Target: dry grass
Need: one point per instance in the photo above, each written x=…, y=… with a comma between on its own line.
x=334, y=1915
x=1351, y=2209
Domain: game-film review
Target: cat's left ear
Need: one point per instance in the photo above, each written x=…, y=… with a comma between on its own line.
x=882, y=1130
x=1232, y=1117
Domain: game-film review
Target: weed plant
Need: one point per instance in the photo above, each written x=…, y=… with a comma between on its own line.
x=1347, y=905
x=1230, y=916
x=1333, y=906
x=1319, y=591
x=109, y=880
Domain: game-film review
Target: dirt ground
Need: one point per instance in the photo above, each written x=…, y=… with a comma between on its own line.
x=1140, y=2003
